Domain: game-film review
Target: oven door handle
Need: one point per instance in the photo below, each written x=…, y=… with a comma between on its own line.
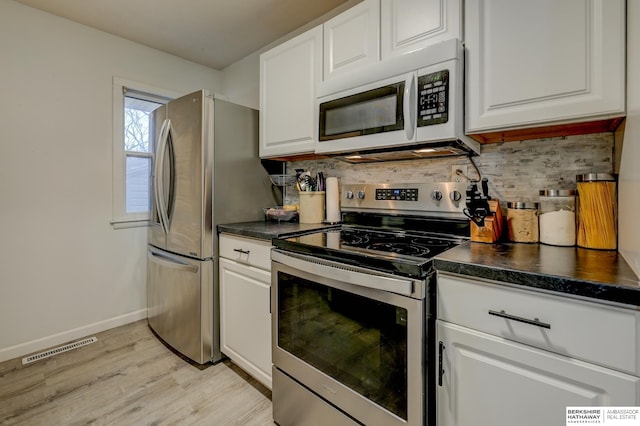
x=346, y=273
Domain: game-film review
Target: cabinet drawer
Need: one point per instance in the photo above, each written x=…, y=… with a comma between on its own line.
x=590, y=331
x=250, y=251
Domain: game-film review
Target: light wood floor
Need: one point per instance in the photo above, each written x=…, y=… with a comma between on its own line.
x=128, y=377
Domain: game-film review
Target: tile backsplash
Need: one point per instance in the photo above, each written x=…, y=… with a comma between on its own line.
x=516, y=170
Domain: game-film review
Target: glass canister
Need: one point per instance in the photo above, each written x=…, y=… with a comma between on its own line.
x=558, y=217
x=522, y=222
x=597, y=211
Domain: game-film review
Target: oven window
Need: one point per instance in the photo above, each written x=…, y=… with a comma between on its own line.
x=375, y=111
x=359, y=342
x=379, y=112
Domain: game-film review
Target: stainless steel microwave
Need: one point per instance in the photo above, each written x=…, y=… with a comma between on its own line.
x=414, y=101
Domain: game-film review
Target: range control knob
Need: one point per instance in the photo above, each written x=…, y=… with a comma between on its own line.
x=360, y=194
x=436, y=195
x=349, y=195
x=455, y=196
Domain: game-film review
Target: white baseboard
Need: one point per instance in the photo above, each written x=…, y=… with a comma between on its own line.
x=47, y=342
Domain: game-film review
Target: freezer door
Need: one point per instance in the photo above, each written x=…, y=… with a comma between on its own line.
x=189, y=215
x=180, y=303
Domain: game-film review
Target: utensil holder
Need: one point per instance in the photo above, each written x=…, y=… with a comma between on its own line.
x=311, y=206
x=492, y=229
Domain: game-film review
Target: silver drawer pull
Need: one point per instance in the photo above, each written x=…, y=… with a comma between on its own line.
x=242, y=251
x=534, y=321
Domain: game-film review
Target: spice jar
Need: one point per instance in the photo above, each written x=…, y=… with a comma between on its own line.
x=558, y=217
x=597, y=211
x=522, y=222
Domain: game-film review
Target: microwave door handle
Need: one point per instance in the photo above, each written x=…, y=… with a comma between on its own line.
x=409, y=105
x=159, y=175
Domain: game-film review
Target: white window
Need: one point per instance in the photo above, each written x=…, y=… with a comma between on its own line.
x=133, y=150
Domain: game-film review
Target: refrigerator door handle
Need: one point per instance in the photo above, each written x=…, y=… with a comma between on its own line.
x=170, y=261
x=158, y=182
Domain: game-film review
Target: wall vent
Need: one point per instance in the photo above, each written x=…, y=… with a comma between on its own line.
x=58, y=350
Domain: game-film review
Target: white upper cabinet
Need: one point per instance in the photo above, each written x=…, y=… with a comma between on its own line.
x=352, y=39
x=543, y=63
x=379, y=30
x=289, y=74
x=409, y=25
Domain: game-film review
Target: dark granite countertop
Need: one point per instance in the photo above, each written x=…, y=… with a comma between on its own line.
x=597, y=274
x=268, y=230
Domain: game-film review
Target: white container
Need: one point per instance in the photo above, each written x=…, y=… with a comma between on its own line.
x=597, y=211
x=333, y=200
x=558, y=217
x=311, y=206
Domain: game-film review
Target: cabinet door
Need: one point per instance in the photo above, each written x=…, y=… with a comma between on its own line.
x=288, y=77
x=245, y=318
x=488, y=380
x=352, y=39
x=545, y=62
x=409, y=25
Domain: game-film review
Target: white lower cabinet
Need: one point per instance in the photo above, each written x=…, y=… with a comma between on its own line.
x=245, y=317
x=488, y=380
x=509, y=356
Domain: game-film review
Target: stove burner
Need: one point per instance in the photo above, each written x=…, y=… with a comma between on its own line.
x=393, y=242
x=352, y=239
x=416, y=250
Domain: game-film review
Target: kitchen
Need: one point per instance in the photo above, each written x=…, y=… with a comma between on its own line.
x=46, y=68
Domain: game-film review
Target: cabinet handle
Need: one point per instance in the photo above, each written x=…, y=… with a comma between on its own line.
x=440, y=368
x=534, y=321
x=242, y=251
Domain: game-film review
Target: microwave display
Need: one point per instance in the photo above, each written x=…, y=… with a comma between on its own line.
x=433, y=98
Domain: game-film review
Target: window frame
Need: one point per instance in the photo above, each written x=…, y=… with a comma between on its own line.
x=120, y=217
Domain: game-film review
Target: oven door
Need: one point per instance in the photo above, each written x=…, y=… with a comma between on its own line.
x=348, y=341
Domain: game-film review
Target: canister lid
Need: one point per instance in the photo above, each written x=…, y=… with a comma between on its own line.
x=522, y=205
x=558, y=192
x=595, y=177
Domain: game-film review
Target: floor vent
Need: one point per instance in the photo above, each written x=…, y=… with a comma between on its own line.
x=59, y=350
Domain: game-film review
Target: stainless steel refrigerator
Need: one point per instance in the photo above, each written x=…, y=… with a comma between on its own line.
x=206, y=172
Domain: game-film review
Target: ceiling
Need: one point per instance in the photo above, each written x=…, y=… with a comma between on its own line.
x=215, y=33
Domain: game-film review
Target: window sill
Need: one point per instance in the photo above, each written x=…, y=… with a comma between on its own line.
x=125, y=224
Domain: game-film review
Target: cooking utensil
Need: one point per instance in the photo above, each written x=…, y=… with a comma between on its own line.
x=306, y=182
x=477, y=205
x=321, y=181
x=485, y=188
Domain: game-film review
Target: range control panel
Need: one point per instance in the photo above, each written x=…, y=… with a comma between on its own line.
x=405, y=194
x=424, y=199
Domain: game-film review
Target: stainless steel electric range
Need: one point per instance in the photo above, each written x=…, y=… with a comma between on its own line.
x=353, y=308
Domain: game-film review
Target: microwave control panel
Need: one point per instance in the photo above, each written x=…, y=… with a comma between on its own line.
x=433, y=98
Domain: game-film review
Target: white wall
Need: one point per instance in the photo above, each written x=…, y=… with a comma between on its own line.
x=629, y=179
x=64, y=272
